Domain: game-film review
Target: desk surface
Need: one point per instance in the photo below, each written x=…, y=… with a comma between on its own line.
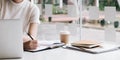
x=66, y=54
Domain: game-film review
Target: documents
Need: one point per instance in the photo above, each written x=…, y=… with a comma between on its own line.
x=104, y=47
x=86, y=44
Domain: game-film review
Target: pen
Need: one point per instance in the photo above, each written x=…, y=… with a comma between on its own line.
x=30, y=36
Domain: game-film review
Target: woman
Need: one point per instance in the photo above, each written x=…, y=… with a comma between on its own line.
x=28, y=13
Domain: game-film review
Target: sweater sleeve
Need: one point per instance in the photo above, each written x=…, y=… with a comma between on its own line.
x=35, y=15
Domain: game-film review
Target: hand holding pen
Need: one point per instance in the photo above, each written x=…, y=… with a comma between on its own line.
x=31, y=44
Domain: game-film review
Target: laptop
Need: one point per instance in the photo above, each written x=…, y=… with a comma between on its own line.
x=11, y=43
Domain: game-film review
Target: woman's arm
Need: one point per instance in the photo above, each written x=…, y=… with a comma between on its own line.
x=33, y=28
x=28, y=43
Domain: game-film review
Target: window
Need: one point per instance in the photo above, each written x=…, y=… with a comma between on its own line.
x=102, y=4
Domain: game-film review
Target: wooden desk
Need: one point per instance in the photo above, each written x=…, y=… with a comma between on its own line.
x=62, y=18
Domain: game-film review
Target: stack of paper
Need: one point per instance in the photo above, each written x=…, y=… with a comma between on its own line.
x=86, y=44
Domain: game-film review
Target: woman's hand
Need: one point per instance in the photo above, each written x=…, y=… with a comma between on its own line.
x=30, y=45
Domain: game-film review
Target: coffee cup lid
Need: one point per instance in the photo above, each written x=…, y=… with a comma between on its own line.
x=64, y=32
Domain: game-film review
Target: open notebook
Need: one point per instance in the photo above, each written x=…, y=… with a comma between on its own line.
x=104, y=47
x=46, y=45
